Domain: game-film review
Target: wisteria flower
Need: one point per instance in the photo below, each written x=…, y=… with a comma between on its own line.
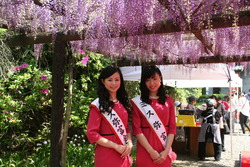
x=85, y=60
x=45, y=91
x=44, y=77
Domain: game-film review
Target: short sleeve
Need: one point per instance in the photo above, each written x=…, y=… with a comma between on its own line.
x=93, y=128
x=172, y=117
x=136, y=120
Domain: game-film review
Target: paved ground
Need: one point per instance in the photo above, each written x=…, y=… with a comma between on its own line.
x=229, y=158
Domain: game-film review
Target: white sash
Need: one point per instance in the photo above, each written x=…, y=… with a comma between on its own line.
x=115, y=123
x=152, y=118
x=155, y=123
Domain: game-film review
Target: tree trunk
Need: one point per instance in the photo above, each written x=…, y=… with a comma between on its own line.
x=57, y=102
x=68, y=111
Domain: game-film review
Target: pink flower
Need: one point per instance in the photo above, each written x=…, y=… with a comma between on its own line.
x=9, y=118
x=21, y=67
x=80, y=51
x=24, y=65
x=44, y=77
x=6, y=112
x=16, y=68
x=45, y=91
x=85, y=60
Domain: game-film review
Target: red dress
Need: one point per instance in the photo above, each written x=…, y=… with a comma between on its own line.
x=140, y=125
x=97, y=128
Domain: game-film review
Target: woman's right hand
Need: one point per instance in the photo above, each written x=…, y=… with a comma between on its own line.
x=154, y=155
x=119, y=148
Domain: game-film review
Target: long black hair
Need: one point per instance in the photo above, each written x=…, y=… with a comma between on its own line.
x=148, y=72
x=106, y=105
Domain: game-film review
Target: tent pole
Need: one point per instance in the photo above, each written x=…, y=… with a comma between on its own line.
x=231, y=119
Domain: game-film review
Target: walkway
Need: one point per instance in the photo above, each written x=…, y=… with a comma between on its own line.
x=240, y=143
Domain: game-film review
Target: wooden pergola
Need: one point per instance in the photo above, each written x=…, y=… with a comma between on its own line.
x=162, y=27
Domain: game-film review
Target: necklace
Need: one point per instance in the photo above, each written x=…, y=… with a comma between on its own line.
x=116, y=101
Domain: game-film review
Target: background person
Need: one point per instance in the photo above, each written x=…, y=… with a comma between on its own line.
x=107, y=112
x=153, y=110
x=178, y=106
x=221, y=109
x=192, y=100
x=233, y=103
x=211, y=121
x=244, y=112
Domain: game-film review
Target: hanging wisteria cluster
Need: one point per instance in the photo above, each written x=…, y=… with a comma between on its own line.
x=117, y=27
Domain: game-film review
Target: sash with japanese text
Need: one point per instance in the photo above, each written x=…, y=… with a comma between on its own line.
x=115, y=123
x=154, y=121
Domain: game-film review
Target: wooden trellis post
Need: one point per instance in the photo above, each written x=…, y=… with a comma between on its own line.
x=57, y=102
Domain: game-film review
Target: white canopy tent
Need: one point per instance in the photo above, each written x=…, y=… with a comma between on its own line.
x=212, y=75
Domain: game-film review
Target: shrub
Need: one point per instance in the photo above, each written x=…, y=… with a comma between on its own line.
x=25, y=105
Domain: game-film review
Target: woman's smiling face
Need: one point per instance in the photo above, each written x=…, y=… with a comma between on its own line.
x=112, y=83
x=153, y=83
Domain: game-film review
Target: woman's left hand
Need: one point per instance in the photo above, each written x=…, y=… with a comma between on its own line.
x=162, y=158
x=127, y=150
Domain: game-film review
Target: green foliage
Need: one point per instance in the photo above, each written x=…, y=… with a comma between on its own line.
x=78, y=148
x=25, y=106
x=133, y=88
x=204, y=97
x=79, y=154
x=2, y=31
x=181, y=94
x=85, y=86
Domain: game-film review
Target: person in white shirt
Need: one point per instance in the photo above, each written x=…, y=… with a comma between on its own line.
x=244, y=112
x=233, y=103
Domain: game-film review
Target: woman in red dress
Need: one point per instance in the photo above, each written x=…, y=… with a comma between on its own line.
x=113, y=145
x=150, y=150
